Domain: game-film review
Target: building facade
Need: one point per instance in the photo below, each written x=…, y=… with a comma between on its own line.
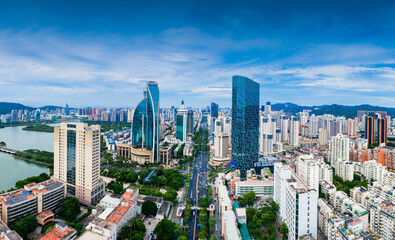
x=77, y=160
x=145, y=125
x=245, y=123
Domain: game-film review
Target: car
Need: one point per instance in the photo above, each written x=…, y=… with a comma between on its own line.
x=196, y=236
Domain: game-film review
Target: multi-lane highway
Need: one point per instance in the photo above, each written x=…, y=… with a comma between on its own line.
x=197, y=189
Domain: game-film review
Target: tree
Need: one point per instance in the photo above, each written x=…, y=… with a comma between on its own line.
x=134, y=230
x=284, y=231
x=203, y=202
x=71, y=209
x=149, y=208
x=25, y=226
x=167, y=230
x=117, y=187
x=274, y=206
x=189, y=201
x=213, y=237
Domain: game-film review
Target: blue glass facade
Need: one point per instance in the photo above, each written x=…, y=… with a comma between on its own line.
x=146, y=121
x=214, y=110
x=245, y=123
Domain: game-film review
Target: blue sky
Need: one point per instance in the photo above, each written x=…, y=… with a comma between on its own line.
x=101, y=53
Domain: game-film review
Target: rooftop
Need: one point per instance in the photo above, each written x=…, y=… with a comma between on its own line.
x=29, y=191
x=57, y=234
x=118, y=213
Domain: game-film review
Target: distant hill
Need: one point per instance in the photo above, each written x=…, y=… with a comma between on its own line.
x=7, y=107
x=335, y=109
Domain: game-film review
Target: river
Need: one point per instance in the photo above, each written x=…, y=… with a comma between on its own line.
x=13, y=169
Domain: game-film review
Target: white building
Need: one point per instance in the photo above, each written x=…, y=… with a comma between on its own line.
x=230, y=231
x=294, y=132
x=324, y=214
x=77, y=160
x=261, y=188
x=284, y=129
x=323, y=136
x=221, y=145
x=345, y=170
x=383, y=219
x=308, y=170
x=298, y=203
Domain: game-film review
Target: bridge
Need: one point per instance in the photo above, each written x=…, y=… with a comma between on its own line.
x=9, y=150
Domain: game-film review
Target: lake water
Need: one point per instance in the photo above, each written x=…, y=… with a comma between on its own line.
x=12, y=169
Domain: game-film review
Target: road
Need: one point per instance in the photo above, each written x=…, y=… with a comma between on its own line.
x=197, y=189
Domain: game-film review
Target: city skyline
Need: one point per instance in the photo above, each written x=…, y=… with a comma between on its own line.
x=105, y=55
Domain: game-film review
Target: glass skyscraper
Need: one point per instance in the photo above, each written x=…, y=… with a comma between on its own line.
x=245, y=123
x=214, y=110
x=145, y=123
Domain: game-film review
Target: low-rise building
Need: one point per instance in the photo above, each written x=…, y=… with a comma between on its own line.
x=230, y=231
x=7, y=234
x=60, y=232
x=31, y=200
x=262, y=188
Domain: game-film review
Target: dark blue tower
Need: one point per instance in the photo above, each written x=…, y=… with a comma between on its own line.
x=245, y=123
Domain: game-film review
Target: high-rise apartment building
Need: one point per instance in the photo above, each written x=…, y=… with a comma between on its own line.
x=245, y=123
x=308, y=169
x=77, y=160
x=145, y=126
x=340, y=148
x=294, y=132
x=298, y=203
x=284, y=129
x=351, y=127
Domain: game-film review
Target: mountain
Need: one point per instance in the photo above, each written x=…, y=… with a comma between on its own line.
x=335, y=109
x=7, y=107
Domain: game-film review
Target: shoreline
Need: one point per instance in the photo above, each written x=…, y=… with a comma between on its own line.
x=31, y=160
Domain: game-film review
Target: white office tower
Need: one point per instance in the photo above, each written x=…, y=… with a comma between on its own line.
x=323, y=136
x=218, y=127
x=77, y=160
x=267, y=134
x=221, y=144
x=228, y=126
x=308, y=170
x=294, y=132
x=284, y=129
x=340, y=148
x=351, y=127
x=298, y=203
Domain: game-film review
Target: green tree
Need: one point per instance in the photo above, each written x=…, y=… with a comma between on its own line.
x=203, y=202
x=213, y=237
x=149, y=208
x=134, y=230
x=71, y=209
x=25, y=226
x=274, y=206
x=167, y=230
x=189, y=201
x=284, y=231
